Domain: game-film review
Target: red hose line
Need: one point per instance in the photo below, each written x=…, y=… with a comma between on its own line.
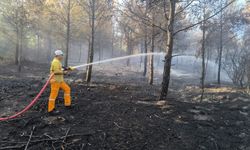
x=33, y=102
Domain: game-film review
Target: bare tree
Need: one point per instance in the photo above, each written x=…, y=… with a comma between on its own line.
x=203, y=51
x=169, y=50
x=91, y=50
x=98, y=12
x=16, y=16
x=151, y=57
x=221, y=46
x=68, y=22
x=145, y=40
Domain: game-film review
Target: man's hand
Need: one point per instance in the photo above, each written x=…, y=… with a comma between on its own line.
x=71, y=68
x=65, y=72
x=68, y=69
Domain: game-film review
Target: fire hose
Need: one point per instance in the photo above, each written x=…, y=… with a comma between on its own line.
x=33, y=102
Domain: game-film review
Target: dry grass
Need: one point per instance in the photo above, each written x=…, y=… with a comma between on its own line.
x=225, y=90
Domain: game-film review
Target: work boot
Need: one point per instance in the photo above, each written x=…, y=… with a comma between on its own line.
x=68, y=107
x=54, y=113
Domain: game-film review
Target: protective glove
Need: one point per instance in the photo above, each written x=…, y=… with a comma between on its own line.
x=71, y=68
x=68, y=68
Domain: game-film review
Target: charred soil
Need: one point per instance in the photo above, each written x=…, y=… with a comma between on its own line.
x=123, y=112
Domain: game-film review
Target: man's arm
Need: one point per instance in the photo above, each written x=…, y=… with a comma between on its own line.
x=57, y=70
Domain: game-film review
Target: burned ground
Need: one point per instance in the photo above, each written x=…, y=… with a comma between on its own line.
x=119, y=111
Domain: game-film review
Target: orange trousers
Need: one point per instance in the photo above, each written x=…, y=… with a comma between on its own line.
x=55, y=87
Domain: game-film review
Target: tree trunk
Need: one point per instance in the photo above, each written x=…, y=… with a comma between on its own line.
x=38, y=48
x=169, y=50
x=80, y=53
x=68, y=33
x=128, y=47
x=49, y=41
x=20, y=50
x=151, y=57
x=49, y=47
x=102, y=56
x=113, y=38
x=21, y=26
x=145, y=51
x=141, y=51
x=145, y=43
x=91, y=52
x=89, y=47
x=99, y=48
x=17, y=46
x=151, y=66
x=17, y=38
x=221, y=50
x=203, y=72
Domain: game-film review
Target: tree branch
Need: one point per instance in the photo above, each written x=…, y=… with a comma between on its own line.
x=184, y=8
x=216, y=13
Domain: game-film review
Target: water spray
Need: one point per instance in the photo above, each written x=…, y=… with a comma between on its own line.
x=119, y=58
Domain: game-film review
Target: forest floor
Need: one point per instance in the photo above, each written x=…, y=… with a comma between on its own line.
x=119, y=111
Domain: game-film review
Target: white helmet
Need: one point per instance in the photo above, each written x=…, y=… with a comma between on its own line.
x=58, y=53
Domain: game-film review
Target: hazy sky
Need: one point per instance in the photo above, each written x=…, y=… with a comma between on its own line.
x=242, y=2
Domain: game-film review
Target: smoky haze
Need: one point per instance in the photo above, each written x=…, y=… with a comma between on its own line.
x=32, y=30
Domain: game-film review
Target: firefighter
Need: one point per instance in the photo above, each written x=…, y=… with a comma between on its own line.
x=57, y=82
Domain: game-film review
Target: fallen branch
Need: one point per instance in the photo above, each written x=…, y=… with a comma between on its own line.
x=45, y=134
x=22, y=144
x=65, y=138
x=119, y=126
x=66, y=135
x=12, y=147
x=31, y=134
x=83, y=145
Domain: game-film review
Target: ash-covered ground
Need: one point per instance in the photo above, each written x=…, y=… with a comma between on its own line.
x=119, y=110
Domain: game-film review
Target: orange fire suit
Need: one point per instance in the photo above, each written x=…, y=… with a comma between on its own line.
x=57, y=83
